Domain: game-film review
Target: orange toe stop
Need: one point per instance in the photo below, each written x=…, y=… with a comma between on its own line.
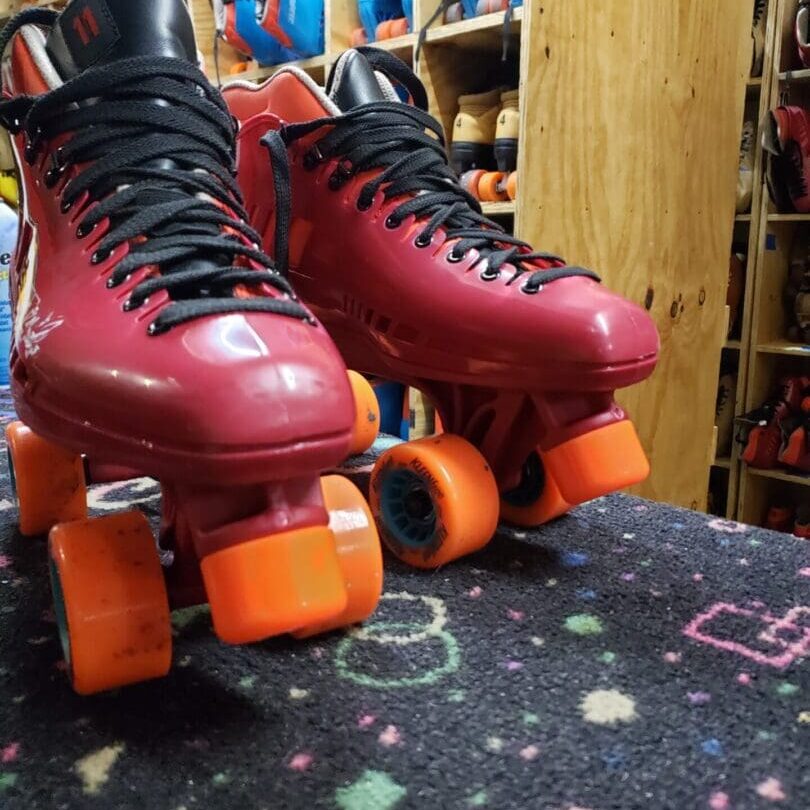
x=359, y=553
x=274, y=584
x=605, y=460
x=367, y=414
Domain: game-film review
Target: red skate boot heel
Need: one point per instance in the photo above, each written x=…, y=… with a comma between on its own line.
x=153, y=337
x=432, y=294
x=47, y=481
x=110, y=602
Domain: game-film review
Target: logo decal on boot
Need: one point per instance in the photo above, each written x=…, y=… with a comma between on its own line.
x=89, y=30
x=31, y=327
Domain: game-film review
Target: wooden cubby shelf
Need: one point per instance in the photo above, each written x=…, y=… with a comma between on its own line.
x=771, y=356
x=781, y=475
x=494, y=209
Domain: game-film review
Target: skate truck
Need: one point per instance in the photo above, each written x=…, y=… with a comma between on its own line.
x=519, y=352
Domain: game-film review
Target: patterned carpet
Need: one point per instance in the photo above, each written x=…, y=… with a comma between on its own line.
x=629, y=656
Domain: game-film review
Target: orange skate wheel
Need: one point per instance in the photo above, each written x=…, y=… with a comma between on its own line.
x=511, y=186
x=237, y=68
x=110, y=602
x=434, y=499
x=470, y=180
x=536, y=500
x=399, y=28
x=489, y=187
x=367, y=414
x=274, y=584
x=359, y=553
x=605, y=460
x=47, y=479
x=384, y=30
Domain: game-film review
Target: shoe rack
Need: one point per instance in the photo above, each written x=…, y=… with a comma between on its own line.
x=630, y=123
x=726, y=467
x=772, y=355
x=630, y=118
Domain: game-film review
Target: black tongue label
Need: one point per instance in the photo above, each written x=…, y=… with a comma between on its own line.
x=89, y=30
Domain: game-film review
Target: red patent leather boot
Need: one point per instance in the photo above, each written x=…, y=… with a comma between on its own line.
x=520, y=353
x=153, y=337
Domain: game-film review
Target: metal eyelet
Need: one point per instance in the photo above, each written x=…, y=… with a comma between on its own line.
x=488, y=274
x=101, y=256
x=525, y=288
x=392, y=223
x=421, y=242
x=129, y=304
x=66, y=206
x=455, y=258
x=311, y=158
x=361, y=206
x=31, y=152
x=84, y=230
x=52, y=176
x=58, y=157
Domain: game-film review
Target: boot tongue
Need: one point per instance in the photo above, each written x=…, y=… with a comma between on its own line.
x=97, y=32
x=354, y=83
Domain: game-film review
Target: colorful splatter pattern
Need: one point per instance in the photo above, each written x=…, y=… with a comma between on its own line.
x=623, y=657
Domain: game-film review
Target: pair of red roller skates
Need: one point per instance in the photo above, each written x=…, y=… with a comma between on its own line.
x=153, y=336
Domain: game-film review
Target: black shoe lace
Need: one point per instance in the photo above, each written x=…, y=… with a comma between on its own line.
x=155, y=144
x=391, y=136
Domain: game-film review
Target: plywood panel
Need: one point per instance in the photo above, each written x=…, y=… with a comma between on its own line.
x=628, y=165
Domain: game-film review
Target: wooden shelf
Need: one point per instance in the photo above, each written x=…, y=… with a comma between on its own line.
x=742, y=218
x=788, y=217
x=397, y=45
x=259, y=74
x=733, y=345
x=470, y=29
x=795, y=75
x=722, y=461
x=784, y=347
x=781, y=475
x=494, y=209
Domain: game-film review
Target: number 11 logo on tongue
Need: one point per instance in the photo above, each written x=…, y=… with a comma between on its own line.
x=89, y=30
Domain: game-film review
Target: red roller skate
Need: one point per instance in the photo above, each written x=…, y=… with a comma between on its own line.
x=520, y=353
x=153, y=337
x=786, y=140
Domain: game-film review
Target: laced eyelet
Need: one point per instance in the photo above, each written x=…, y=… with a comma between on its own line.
x=66, y=206
x=488, y=274
x=392, y=223
x=455, y=258
x=58, y=157
x=153, y=329
x=311, y=158
x=52, y=176
x=101, y=256
x=530, y=290
x=84, y=230
x=129, y=304
x=31, y=152
x=421, y=242
x=361, y=206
